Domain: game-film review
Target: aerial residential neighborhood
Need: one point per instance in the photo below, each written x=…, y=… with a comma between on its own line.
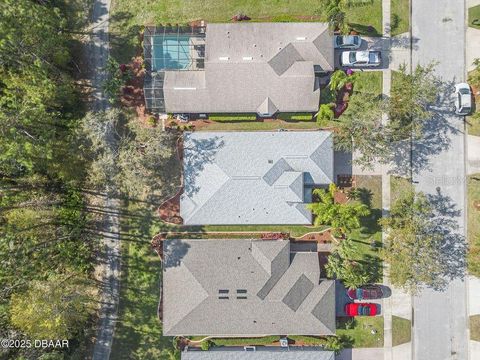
x=240, y=180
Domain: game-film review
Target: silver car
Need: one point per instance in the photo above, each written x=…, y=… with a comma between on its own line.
x=347, y=42
x=361, y=58
x=463, y=99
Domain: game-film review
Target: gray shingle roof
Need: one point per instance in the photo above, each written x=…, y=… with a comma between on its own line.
x=253, y=177
x=280, y=292
x=311, y=353
x=261, y=61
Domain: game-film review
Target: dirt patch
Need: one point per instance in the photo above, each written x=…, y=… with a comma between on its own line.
x=476, y=205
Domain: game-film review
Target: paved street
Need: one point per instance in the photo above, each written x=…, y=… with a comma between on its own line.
x=440, y=317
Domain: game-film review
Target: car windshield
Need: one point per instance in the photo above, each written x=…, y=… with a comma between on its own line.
x=352, y=57
x=339, y=40
x=464, y=91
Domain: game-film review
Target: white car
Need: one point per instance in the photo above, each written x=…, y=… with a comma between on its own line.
x=463, y=99
x=347, y=41
x=361, y=58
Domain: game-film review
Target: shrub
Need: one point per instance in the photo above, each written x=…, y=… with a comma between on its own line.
x=334, y=343
x=207, y=344
x=325, y=113
x=152, y=121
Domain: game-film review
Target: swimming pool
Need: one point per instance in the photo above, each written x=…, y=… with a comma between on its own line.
x=170, y=52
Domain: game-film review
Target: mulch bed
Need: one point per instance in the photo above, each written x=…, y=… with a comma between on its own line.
x=320, y=237
x=169, y=211
x=132, y=92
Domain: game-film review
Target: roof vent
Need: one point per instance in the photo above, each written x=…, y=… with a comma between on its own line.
x=184, y=88
x=301, y=38
x=248, y=58
x=223, y=58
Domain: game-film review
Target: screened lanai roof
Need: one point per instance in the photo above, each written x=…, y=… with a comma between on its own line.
x=177, y=47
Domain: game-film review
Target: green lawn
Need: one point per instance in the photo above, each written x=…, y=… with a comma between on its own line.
x=473, y=124
x=361, y=333
x=475, y=327
x=138, y=334
x=294, y=230
x=368, y=239
x=128, y=16
x=249, y=125
x=399, y=17
x=473, y=225
x=474, y=15
x=369, y=82
x=401, y=330
x=267, y=340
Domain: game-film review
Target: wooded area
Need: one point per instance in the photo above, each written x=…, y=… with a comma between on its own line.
x=56, y=162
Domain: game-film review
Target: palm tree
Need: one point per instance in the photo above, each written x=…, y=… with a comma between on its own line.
x=342, y=265
x=342, y=217
x=339, y=79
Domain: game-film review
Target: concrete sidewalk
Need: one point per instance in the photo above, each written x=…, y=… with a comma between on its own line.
x=361, y=354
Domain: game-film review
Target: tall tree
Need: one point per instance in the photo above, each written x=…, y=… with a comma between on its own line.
x=361, y=130
x=410, y=98
x=413, y=245
x=56, y=308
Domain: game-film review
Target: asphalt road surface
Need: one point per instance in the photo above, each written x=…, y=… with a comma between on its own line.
x=440, y=316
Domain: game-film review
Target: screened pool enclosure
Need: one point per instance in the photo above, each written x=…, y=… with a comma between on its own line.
x=169, y=48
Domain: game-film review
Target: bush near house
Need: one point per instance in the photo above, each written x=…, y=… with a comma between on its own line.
x=232, y=117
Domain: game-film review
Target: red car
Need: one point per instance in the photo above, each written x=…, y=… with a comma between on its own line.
x=361, y=309
x=365, y=293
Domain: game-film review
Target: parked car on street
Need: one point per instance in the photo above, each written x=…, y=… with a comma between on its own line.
x=463, y=99
x=361, y=58
x=361, y=309
x=347, y=41
x=366, y=292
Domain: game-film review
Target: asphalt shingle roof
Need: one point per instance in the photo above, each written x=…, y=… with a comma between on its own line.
x=244, y=287
x=253, y=177
x=311, y=353
x=254, y=67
